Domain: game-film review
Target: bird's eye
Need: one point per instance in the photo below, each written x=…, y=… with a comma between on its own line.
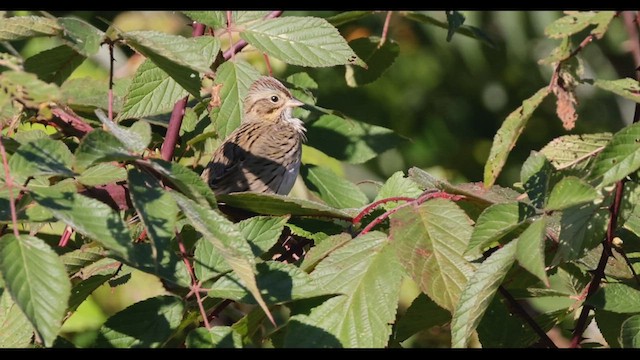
x=274, y=99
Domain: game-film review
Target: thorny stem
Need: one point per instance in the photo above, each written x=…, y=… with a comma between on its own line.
x=375, y=204
x=111, y=60
x=9, y=182
x=195, y=286
x=175, y=122
x=526, y=317
x=385, y=29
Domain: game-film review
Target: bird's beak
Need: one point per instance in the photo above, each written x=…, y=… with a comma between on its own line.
x=293, y=102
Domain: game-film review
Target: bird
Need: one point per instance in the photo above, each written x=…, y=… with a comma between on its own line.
x=263, y=154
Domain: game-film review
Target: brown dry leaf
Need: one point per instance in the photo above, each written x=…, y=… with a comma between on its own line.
x=565, y=106
x=215, y=97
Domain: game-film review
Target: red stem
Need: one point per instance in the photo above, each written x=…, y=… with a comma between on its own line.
x=195, y=287
x=9, y=181
x=385, y=28
x=375, y=204
x=266, y=60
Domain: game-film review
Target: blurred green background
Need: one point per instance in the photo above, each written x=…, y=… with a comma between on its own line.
x=446, y=98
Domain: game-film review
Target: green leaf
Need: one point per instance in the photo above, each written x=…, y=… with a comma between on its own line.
x=100, y=146
x=430, y=239
x=216, y=337
x=151, y=92
x=37, y=281
x=378, y=59
x=616, y=297
x=227, y=239
x=570, y=191
x=422, y=314
x=273, y=204
x=279, y=283
x=506, y=137
x=243, y=17
x=262, y=232
x=331, y=188
x=582, y=227
x=89, y=217
x=478, y=293
x=575, y=151
x=530, y=249
x=305, y=41
x=185, y=180
x=54, y=65
x=22, y=27
x=455, y=21
x=351, y=141
x=213, y=19
x=347, y=16
x=560, y=53
x=28, y=89
x=620, y=157
x=364, y=266
x=145, y=324
x=495, y=223
x=628, y=88
x=179, y=57
x=157, y=210
x=101, y=174
x=322, y=250
x=610, y=324
x=136, y=139
x=16, y=329
x=235, y=77
x=40, y=157
x=630, y=332
x=577, y=21
x=81, y=36
x=86, y=94
x=537, y=175
x=397, y=185
x=83, y=289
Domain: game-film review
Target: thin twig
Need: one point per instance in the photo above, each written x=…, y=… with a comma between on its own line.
x=515, y=305
x=9, y=182
x=385, y=29
x=241, y=44
x=229, y=32
x=598, y=273
x=111, y=60
x=266, y=60
x=369, y=208
x=76, y=126
x=195, y=285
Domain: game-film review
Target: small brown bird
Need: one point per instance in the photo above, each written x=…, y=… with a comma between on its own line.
x=263, y=154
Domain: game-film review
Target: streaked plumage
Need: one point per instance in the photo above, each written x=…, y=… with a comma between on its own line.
x=263, y=153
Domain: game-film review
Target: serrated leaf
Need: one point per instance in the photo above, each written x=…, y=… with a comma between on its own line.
x=15, y=329
x=89, y=217
x=630, y=332
x=87, y=94
x=578, y=21
x=213, y=19
x=40, y=157
x=22, y=27
x=347, y=16
x=610, y=324
x=628, y=88
x=305, y=41
x=570, y=191
x=397, y=185
x=100, y=146
x=478, y=293
x=506, y=137
x=75, y=260
x=227, y=239
x=422, y=314
x=536, y=175
x=378, y=59
x=560, y=53
x=617, y=298
x=83, y=289
x=81, y=36
x=216, y=337
x=352, y=141
x=620, y=157
x=430, y=239
x=362, y=267
x=135, y=139
x=28, y=89
x=235, y=77
x=530, y=249
x=37, y=281
x=575, y=150
x=496, y=222
x=582, y=228
x=179, y=57
x=243, y=17
x=101, y=174
x=273, y=204
x=54, y=65
x=151, y=92
x=331, y=188
x=145, y=324
x=279, y=283
x=262, y=232
x=185, y=180
x=322, y=250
